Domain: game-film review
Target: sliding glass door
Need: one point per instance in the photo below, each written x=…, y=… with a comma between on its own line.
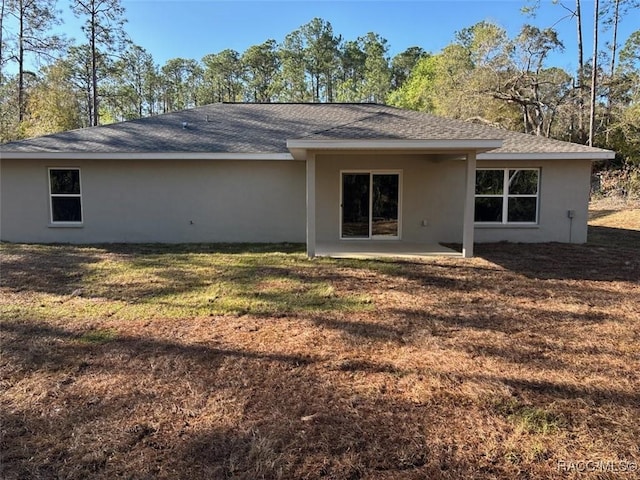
x=370, y=205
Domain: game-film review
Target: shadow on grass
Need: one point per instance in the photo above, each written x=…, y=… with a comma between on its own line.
x=378, y=331
x=604, y=261
x=487, y=317
x=56, y=268
x=201, y=248
x=21, y=352
x=44, y=268
x=615, y=238
x=596, y=214
x=557, y=391
x=291, y=422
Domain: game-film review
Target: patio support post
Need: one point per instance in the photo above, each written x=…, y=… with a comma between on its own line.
x=311, y=205
x=469, y=204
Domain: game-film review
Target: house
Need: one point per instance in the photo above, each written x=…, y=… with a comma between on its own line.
x=340, y=177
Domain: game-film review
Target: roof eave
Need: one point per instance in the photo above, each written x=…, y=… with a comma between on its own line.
x=300, y=147
x=593, y=156
x=39, y=155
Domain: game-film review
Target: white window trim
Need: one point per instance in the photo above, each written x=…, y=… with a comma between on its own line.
x=74, y=195
x=505, y=195
x=371, y=236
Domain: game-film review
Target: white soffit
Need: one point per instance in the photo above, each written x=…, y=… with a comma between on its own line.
x=300, y=146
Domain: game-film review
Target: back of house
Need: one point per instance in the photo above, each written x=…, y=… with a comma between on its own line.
x=336, y=176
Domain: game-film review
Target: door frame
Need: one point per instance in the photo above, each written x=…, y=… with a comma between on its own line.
x=371, y=173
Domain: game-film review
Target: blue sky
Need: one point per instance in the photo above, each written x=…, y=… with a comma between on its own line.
x=194, y=28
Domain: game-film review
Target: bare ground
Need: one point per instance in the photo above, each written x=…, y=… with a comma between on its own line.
x=520, y=363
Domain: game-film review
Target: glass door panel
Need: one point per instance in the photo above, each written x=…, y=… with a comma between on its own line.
x=355, y=205
x=384, y=221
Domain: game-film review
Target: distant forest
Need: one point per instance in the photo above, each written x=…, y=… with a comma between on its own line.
x=483, y=75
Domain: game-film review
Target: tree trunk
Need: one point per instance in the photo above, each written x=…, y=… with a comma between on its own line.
x=594, y=73
x=1, y=30
x=525, y=119
x=580, y=83
x=550, y=123
x=139, y=92
x=329, y=87
x=614, y=46
x=21, y=105
x=612, y=65
x=89, y=104
x=94, y=70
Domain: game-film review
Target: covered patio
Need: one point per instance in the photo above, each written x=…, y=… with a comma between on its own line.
x=432, y=183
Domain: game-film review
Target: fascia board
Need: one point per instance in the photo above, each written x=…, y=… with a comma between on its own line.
x=144, y=156
x=593, y=156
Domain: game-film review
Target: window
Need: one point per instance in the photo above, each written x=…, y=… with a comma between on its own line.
x=507, y=195
x=370, y=205
x=66, y=199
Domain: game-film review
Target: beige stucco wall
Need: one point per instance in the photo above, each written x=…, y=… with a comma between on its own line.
x=433, y=191
x=264, y=201
x=160, y=201
x=564, y=186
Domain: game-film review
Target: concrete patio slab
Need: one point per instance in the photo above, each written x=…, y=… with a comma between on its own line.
x=371, y=250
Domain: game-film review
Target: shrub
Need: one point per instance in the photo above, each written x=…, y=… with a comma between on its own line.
x=623, y=183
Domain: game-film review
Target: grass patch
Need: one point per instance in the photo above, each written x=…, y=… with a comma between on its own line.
x=610, y=223
x=531, y=419
x=174, y=282
x=98, y=336
x=252, y=361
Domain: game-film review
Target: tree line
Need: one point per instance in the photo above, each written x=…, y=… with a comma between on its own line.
x=483, y=75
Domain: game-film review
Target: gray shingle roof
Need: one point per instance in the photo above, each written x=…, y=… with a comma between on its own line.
x=265, y=128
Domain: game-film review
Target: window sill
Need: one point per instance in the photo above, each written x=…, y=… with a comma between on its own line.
x=65, y=225
x=507, y=225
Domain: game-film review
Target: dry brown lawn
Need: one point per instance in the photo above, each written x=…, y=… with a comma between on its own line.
x=252, y=362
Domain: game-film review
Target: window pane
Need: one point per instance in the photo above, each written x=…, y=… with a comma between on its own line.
x=488, y=209
x=489, y=182
x=65, y=181
x=385, y=205
x=66, y=209
x=355, y=205
x=522, y=209
x=523, y=182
